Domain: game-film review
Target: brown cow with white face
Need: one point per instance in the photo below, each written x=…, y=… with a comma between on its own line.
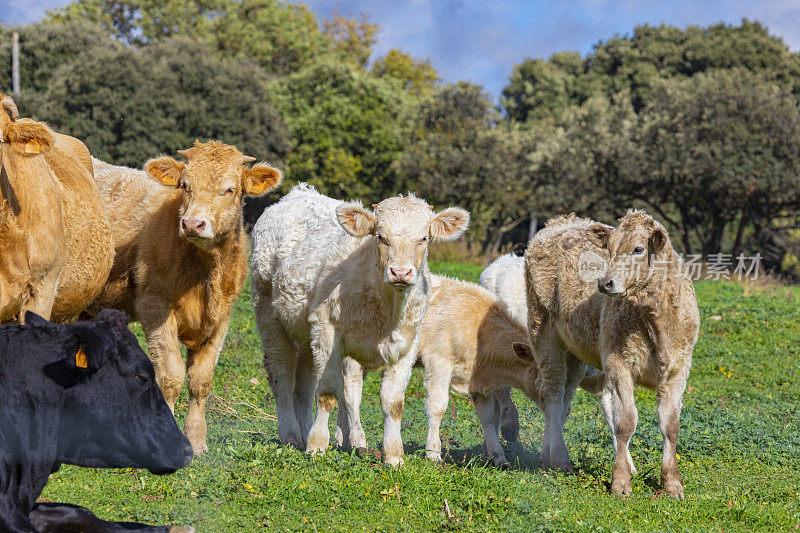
x=180, y=260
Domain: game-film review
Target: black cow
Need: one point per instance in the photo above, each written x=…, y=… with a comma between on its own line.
x=83, y=394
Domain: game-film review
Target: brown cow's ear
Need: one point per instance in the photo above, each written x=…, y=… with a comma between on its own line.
x=449, y=224
x=260, y=178
x=355, y=220
x=599, y=234
x=165, y=170
x=523, y=351
x=29, y=137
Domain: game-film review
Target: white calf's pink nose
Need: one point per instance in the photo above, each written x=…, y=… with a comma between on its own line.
x=193, y=226
x=400, y=274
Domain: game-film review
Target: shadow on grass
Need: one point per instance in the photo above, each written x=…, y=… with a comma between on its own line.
x=521, y=458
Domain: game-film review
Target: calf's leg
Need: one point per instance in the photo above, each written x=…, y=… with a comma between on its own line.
x=624, y=418
x=669, y=396
x=552, y=364
x=349, y=431
x=200, y=365
x=328, y=367
x=393, y=389
x=485, y=406
x=304, y=391
x=509, y=416
x=437, y=384
x=161, y=332
x=67, y=518
x=282, y=366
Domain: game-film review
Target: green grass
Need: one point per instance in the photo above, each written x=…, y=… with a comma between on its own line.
x=739, y=450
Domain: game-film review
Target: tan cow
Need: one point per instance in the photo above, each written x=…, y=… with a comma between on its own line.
x=640, y=328
x=56, y=248
x=181, y=259
x=472, y=343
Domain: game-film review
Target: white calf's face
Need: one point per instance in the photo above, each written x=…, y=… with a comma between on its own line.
x=402, y=227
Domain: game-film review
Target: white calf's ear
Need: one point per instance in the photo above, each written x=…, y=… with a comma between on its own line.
x=355, y=220
x=165, y=170
x=523, y=351
x=260, y=178
x=449, y=224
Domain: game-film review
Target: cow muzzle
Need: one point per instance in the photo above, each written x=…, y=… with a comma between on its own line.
x=196, y=227
x=610, y=286
x=400, y=277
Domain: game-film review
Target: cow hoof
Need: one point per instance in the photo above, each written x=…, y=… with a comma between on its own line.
x=396, y=462
x=564, y=466
x=674, y=489
x=199, y=447
x=501, y=463
x=621, y=487
x=181, y=529
x=436, y=457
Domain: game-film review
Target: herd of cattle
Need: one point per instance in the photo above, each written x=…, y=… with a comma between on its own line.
x=338, y=290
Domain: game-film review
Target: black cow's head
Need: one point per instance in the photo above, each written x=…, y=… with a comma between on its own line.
x=112, y=413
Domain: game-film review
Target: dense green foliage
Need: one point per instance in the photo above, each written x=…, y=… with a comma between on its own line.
x=698, y=125
x=739, y=450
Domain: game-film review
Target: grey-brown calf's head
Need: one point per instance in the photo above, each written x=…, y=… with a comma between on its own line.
x=637, y=248
x=524, y=354
x=214, y=180
x=402, y=227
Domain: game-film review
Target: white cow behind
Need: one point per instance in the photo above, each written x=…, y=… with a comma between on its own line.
x=333, y=281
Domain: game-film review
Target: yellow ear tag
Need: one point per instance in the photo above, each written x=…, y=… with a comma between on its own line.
x=32, y=147
x=258, y=188
x=80, y=359
x=166, y=179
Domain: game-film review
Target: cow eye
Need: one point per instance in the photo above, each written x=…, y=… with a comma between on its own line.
x=382, y=239
x=639, y=250
x=142, y=379
x=183, y=186
x=422, y=240
x=228, y=191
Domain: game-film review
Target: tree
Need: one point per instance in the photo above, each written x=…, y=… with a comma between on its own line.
x=128, y=105
x=724, y=148
x=415, y=75
x=281, y=37
x=43, y=48
x=352, y=37
x=458, y=155
x=347, y=128
x=539, y=89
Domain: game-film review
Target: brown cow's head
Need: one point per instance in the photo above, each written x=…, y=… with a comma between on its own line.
x=24, y=136
x=637, y=249
x=402, y=226
x=214, y=180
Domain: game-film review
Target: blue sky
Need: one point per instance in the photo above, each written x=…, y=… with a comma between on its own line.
x=481, y=41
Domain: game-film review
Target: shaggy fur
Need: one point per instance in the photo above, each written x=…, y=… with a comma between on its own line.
x=642, y=331
x=505, y=278
x=472, y=343
x=329, y=300
x=181, y=285
x=56, y=247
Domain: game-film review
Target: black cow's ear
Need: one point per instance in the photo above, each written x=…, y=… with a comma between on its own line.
x=32, y=319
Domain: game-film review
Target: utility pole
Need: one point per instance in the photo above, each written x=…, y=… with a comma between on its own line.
x=15, y=65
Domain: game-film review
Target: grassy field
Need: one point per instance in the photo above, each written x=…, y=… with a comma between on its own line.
x=739, y=450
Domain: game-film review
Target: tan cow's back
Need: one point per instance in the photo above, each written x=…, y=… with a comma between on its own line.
x=90, y=246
